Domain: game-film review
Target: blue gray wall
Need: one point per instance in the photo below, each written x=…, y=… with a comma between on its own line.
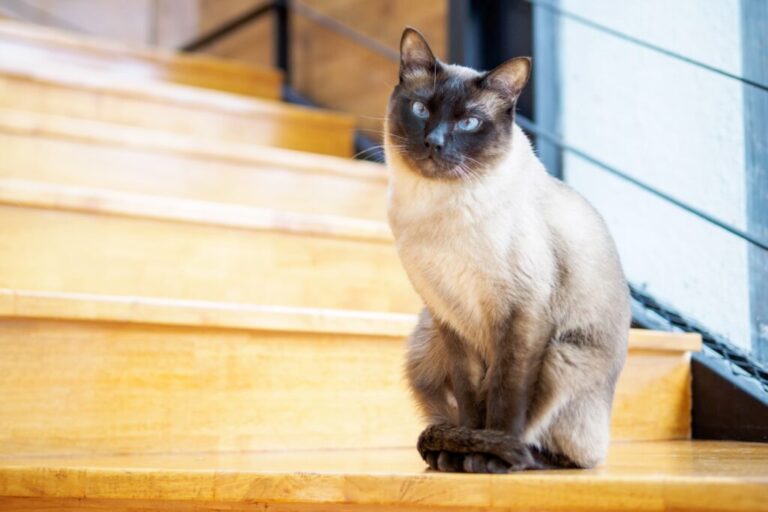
x=675, y=126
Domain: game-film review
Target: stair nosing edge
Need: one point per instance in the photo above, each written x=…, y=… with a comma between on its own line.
x=224, y=315
x=199, y=313
x=97, y=201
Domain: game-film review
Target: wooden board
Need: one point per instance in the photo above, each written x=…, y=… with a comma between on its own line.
x=700, y=476
x=146, y=310
x=116, y=388
x=184, y=167
x=45, y=46
x=86, y=240
x=134, y=375
x=65, y=90
x=28, y=123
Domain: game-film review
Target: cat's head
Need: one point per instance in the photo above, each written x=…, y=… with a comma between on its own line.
x=447, y=121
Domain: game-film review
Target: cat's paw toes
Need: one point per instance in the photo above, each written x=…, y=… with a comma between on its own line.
x=431, y=459
x=479, y=463
x=444, y=461
x=474, y=463
x=496, y=465
x=485, y=463
x=451, y=462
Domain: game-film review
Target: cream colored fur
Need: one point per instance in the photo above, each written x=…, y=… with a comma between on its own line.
x=475, y=249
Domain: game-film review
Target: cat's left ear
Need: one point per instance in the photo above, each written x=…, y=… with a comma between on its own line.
x=415, y=55
x=510, y=77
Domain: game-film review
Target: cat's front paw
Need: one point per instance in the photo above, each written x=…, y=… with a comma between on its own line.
x=444, y=461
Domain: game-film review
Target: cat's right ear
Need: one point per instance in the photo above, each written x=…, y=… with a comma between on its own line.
x=509, y=77
x=416, y=58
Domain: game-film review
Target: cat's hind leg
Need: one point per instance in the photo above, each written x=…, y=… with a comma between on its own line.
x=569, y=419
x=579, y=435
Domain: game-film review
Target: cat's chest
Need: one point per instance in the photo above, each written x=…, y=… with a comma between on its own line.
x=460, y=259
x=457, y=273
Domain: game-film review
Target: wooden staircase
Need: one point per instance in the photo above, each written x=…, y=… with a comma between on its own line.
x=200, y=311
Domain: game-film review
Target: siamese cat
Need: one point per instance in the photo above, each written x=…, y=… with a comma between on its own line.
x=515, y=357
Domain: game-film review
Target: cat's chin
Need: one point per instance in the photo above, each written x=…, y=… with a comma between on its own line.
x=438, y=170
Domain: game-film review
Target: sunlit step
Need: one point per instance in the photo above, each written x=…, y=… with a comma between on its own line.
x=78, y=92
x=97, y=241
x=43, y=45
x=70, y=151
x=652, y=476
x=132, y=374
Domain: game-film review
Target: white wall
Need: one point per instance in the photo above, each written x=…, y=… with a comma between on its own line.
x=676, y=127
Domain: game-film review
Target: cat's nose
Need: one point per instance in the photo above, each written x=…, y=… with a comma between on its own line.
x=435, y=141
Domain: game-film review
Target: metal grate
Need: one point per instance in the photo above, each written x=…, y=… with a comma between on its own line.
x=656, y=315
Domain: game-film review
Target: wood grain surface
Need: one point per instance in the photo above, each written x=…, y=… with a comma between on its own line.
x=654, y=476
x=93, y=374
x=67, y=90
x=66, y=151
x=129, y=245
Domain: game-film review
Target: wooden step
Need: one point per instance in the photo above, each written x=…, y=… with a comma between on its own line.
x=42, y=45
x=71, y=151
x=96, y=241
x=86, y=374
x=658, y=476
x=77, y=92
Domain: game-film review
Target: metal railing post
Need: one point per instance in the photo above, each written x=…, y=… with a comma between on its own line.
x=282, y=47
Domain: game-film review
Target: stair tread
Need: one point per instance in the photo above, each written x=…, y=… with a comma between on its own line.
x=104, y=82
x=64, y=150
x=47, y=44
x=110, y=202
x=115, y=308
x=84, y=93
x=99, y=132
x=659, y=475
x=168, y=247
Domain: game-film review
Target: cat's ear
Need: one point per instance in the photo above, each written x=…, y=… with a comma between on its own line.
x=509, y=77
x=415, y=55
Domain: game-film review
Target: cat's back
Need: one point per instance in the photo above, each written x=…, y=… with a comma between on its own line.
x=577, y=225
x=593, y=278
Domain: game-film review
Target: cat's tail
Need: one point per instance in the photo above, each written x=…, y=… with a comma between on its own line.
x=463, y=440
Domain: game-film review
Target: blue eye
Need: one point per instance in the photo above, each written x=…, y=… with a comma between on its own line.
x=469, y=124
x=420, y=110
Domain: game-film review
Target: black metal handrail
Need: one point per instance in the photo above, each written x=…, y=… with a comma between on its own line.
x=350, y=33
x=532, y=127
x=373, y=45
x=208, y=38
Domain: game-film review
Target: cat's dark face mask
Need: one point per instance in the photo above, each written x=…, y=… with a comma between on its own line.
x=450, y=122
